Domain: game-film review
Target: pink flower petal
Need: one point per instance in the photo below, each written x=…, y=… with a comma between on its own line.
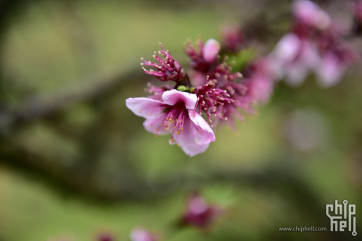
x=171, y=97
x=201, y=131
x=211, y=50
x=330, y=71
x=156, y=125
x=145, y=107
x=287, y=48
x=309, y=13
x=186, y=140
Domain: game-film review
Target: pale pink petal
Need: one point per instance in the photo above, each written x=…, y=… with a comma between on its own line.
x=309, y=13
x=330, y=71
x=211, y=50
x=156, y=125
x=201, y=131
x=310, y=55
x=171, y=97
x=287, y=48
x=187, y=142
x=305, y=10
x=140, y=234
x=145, y=107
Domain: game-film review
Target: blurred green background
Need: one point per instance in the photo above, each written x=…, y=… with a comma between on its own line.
x=74, y=160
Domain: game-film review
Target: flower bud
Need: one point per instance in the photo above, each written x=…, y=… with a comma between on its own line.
x=200, y=214
x=140, y=234
x=211, y=50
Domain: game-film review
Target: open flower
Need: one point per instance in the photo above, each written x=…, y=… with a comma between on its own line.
x=175, y=114
x=293, y=58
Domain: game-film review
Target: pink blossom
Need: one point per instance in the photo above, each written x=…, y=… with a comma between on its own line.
x=333, y=65
x=175, y=114
x=202, y=56
x=293, y=58
x=309, y=14
x=141, y=234
x=199, y=213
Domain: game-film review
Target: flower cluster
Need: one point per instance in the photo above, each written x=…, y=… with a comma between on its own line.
x=213, y=89
x=314, y=44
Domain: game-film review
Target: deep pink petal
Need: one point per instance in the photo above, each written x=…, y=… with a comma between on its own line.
x=211, y=50
x=201, y=131
x=171, y=97
x=145, y=107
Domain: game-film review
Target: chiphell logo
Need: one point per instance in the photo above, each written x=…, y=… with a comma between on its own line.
x=342, y=216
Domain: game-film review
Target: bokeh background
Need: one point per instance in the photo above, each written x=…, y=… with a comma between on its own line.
x=74, y=160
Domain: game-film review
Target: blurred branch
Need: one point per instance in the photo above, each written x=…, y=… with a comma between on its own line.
x=39, y=108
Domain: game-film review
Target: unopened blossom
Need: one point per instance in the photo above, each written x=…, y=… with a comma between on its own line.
x=211, y=50
x=141, y=234
x=105, y=236
x=202, y=55
x=199, y=214
x=175, y=114
x=233, y=39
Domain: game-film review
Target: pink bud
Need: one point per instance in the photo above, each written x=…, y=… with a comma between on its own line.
x=140, y=234
x=105, y=236
x=200, y=214
x=211, y=50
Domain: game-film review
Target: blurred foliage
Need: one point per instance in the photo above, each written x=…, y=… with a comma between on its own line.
x=91, y=165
